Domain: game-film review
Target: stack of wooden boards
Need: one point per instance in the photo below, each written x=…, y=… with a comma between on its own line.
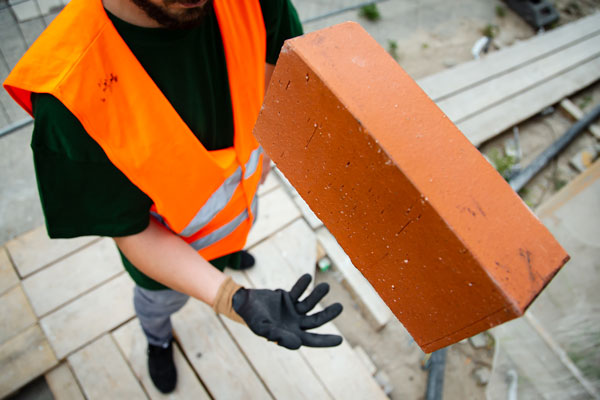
x=487, y=96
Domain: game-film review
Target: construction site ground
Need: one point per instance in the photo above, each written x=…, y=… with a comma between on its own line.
x=430, y=36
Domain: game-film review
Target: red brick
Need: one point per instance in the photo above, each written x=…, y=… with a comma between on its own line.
x=444, y=240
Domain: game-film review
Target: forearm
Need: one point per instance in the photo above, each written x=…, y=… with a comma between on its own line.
x=166, y=258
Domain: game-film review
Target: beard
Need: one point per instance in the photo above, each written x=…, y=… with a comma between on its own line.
x=184, y=19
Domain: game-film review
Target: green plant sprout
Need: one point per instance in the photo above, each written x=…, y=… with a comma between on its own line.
x=500, y=11
x=393, y=49
x=490, y=30
x=502, y=162
x=585, y=101
x=370, y=12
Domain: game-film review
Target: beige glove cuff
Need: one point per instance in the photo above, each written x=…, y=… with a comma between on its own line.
x=223, y=300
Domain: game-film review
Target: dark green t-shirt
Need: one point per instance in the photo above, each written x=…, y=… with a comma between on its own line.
x=81, y=191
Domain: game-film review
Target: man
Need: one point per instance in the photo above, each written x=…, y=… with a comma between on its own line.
x=143, y=116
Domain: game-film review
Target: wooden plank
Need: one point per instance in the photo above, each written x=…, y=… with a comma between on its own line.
x=62, y=383
x=576, y=113
x=16, y=313
x=275, y=210
x=86, y=318
x=25, y=10
x=48, y=18
x=49, y=6
x=225, y=372
x=339, y=368
x=536, y=362
x=32, y=29
x=376, y=311
x=307, y=213
x=12, y=47
x=366, y=360
x=46, y=250
x=103, y=373
x=494, y=120
x=286, y=373
x=72, y=276
x=8, y=276
x=344, y=374
x=132, y=342
x=23, y=358
x=4, y=120
x=270, y=184
x=503, y=88
x=472, y=73
x=302, y=257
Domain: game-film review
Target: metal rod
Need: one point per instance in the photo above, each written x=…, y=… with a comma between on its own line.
x=518, y=181
x=10, y=128
x=340, y=11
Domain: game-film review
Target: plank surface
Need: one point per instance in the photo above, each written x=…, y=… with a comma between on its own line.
x=536, y=362
x=494, y=120
x=23, y=358
x=12, y=47
x=86, y=318
x=25, y=10
x=32, y=29
x=72, y=276
x=46, y=250
x=302, y=256
x=48, y=6
x=8, y=276
x=374, y=308
x=103, y=373
x=214, y=355
x=307, y=213
x=16, y=313
x=275, y=210
x=567, y=310
x=339, y=368
x=285, y=372
x=62, y=383
x=448, y=82
x=271, y=183
x=133, y=344
x=503, y=88
x=346, y=377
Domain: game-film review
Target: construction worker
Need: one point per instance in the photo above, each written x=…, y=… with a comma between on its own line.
x=143, y=117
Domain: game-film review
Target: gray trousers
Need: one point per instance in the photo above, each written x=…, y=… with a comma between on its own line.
x=154, y=309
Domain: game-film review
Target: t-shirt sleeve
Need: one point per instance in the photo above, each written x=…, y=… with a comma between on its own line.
x=281, y=23
x=81, y=191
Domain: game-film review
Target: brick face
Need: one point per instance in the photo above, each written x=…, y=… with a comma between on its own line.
x=443, y=239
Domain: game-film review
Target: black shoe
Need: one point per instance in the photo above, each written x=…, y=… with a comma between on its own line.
x=247, y=260
x=162, y=368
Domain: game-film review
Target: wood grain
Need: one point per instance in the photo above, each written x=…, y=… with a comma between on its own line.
x=103, y=373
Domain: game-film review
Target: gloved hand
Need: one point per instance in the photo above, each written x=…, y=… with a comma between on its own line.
x=278, y=315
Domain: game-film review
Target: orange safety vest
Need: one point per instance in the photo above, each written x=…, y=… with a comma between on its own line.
x=206, y=197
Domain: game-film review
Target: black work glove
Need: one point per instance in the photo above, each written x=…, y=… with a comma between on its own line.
x=278, y=315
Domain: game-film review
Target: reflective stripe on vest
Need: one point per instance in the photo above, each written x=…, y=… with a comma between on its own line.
x=219, y=199
x=197, y=194
x=225, y=230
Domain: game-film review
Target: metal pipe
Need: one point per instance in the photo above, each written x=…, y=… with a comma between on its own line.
x=10, y=128
x=435, y=379
x=518, y=181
